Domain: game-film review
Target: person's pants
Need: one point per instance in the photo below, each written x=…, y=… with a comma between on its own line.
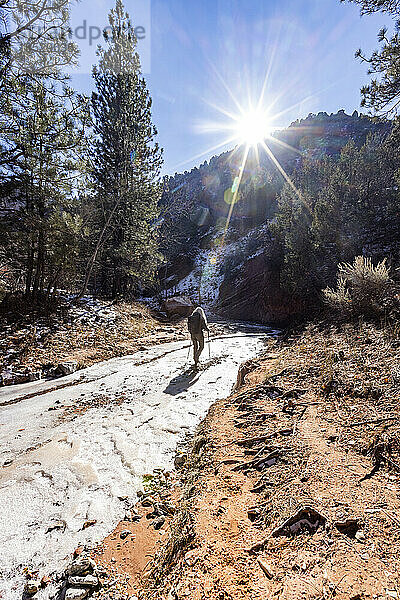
x=198, y=346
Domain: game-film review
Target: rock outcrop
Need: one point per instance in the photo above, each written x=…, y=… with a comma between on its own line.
x=256, y=295
x=179, y=306
x=65, y=368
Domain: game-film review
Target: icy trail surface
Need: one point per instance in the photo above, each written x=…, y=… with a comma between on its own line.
x=74, y=448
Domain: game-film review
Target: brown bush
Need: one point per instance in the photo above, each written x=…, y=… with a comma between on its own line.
x=362, y=288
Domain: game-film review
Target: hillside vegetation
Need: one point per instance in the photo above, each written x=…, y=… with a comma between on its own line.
x=286, y=239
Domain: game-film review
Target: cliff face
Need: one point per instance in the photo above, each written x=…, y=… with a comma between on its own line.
x=255, y=295
x=323, y=134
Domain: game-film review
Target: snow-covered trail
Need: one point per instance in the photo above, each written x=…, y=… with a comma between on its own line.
x=62, y=466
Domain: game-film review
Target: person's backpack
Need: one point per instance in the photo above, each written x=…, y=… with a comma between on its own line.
x=194, y=323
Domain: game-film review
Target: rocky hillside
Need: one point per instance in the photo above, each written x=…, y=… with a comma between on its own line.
x=323, y=134
x=248, y=262
x=313, y=137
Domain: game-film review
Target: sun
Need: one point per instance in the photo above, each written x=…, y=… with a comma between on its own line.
x=253, y=127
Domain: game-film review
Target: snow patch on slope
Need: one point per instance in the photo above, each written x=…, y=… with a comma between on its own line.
x=204, y=281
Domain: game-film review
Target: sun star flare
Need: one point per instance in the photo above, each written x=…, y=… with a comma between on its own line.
x=253, y=127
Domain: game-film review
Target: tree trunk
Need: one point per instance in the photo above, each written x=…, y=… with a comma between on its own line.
x=39, y=266
x=29, y=269
x=53, y=282
x=92, y=260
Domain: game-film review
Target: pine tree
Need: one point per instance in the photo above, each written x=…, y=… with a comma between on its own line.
x=35, y=36
x=382, y=95
x=35, y=47
x=293, y=231
x=345, y=207
x=369, y=7
x=42, y=144
x=127, y=163
x=41, y=219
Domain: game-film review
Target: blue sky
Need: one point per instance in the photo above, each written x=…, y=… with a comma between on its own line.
x=207, y=56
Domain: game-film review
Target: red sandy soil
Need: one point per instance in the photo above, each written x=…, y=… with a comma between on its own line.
x=125, y=559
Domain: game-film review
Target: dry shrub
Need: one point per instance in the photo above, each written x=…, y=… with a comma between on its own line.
x=362, y=288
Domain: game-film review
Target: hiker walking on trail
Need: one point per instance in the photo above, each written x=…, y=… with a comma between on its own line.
x=197, y=323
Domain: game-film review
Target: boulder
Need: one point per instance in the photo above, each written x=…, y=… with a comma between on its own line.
x=179, y=306
x=124, y=534
x=179, y=460
x=13, y=378
x=67, y=368
x=306, y=519
x=35, y=375
x=90, y=581
x=32, y=587
x=76, y=593
x=63, y=369
x=81, y=567
x=57, y=525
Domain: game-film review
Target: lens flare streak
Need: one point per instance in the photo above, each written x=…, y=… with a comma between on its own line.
x=281, y=169
x=236, y=192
